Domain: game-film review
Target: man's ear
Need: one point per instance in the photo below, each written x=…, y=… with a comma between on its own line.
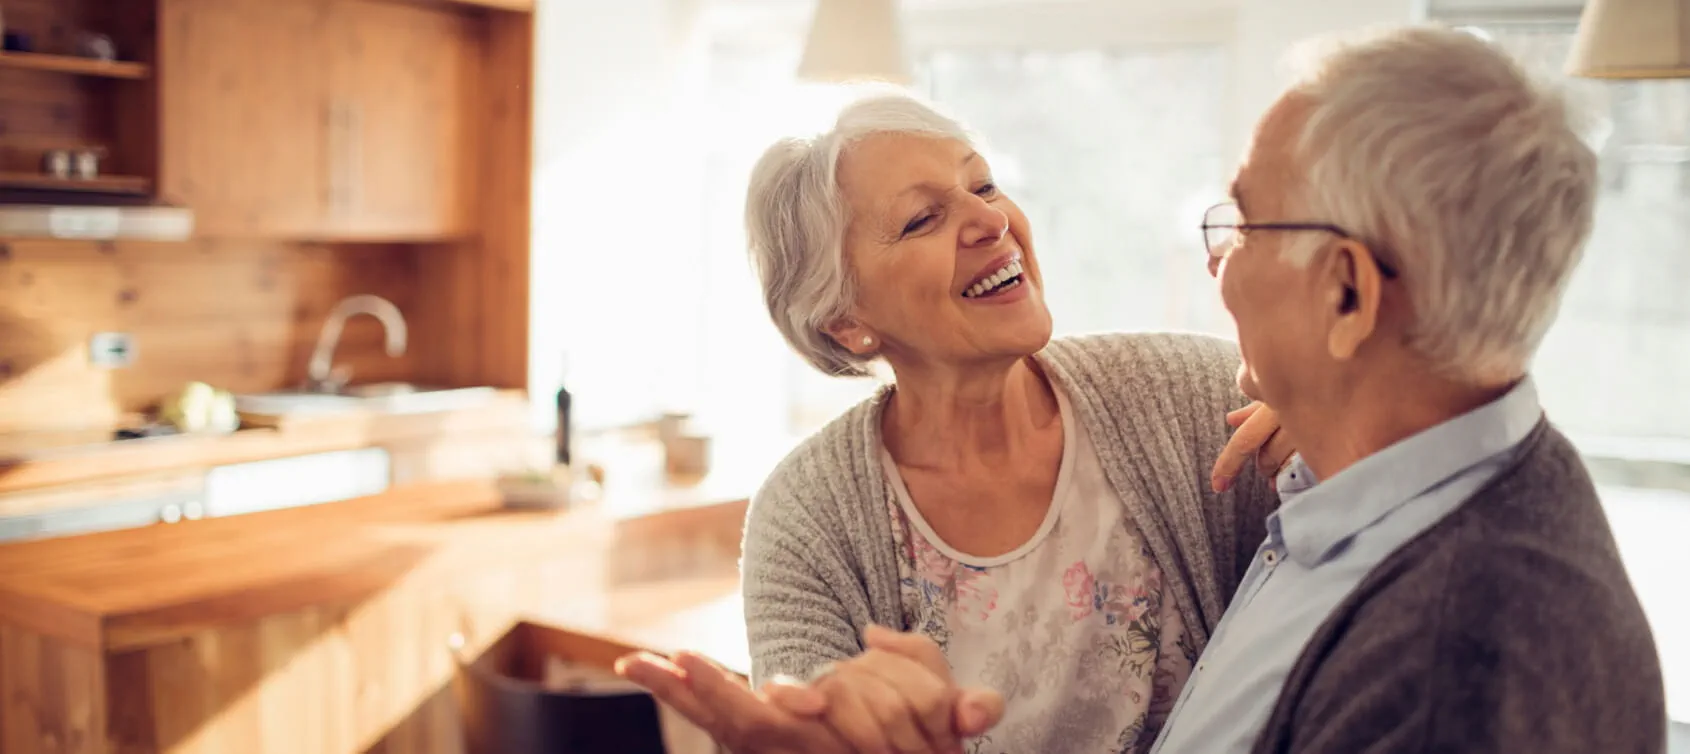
x=853, y=336
x=1355, y=289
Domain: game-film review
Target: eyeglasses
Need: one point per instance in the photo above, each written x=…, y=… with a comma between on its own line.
x=1224, y=226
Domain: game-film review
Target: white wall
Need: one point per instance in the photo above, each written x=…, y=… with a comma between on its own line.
x=618, y=176
x=1258, y=33
x=1267, y=30
x=614, y=183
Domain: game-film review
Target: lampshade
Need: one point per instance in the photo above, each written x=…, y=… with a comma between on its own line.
x=1632, y=39
x=855, y=40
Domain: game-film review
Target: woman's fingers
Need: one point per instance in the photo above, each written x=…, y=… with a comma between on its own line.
x=914, y=646
x=795, y=697
x=720, y=703
x=669, y=683
x=1274, y=456
x=858, y=712
x=1246, y=442
x=1237, y=416
x=925, y=698
x=977, y=710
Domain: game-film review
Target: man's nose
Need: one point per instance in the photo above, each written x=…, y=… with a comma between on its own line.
x=1215, y=266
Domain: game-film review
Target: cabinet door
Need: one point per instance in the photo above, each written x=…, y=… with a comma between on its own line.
x=401, y=106
x=243, y=109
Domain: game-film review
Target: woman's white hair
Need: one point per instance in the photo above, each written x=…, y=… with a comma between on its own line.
x=795, y=218
x=1434, y=147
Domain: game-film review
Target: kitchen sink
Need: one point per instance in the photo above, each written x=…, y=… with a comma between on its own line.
x=382, y=397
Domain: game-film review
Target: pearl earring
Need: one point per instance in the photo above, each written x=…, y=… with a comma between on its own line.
x=868, y=340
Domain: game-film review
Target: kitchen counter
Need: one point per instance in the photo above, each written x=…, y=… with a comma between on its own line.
x=38, y=460
x=196, y=637
x=125, y=589
x=705, y=615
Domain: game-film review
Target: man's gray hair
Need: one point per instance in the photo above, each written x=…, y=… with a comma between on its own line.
x=796, y=216
x=1451, y=161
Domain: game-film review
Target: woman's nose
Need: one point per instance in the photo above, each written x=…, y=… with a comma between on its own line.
x=986, y=223
x=1214, y=266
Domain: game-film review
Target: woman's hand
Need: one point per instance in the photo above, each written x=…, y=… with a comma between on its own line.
x=897, y=697
x=1257, y=437
x=715, y=700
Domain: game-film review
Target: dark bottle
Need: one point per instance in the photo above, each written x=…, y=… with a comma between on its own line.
x=563, y=425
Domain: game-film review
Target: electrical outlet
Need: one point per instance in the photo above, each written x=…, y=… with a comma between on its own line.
x=112, y=350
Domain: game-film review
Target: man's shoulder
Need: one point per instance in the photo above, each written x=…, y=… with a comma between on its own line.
x=1511, y=622
x=1530, y=550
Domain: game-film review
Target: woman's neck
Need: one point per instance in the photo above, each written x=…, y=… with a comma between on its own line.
x=946, y=419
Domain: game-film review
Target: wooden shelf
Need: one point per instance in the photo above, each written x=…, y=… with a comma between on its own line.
x=105, y=184
x=74, y=65
x=44, y=142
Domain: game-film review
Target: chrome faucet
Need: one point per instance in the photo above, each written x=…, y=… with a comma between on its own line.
x=321, y=374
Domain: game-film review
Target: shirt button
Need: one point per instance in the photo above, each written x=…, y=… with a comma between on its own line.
x=1270, y=557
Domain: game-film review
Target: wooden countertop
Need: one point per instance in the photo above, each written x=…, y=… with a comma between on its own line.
x=704, y=615
x=138, y=587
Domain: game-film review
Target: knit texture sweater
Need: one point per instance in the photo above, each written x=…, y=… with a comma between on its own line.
x=819, y=565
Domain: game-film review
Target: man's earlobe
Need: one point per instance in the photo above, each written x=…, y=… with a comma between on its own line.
x=1357, y=300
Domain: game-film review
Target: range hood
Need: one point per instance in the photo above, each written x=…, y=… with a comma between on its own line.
x=96, y=222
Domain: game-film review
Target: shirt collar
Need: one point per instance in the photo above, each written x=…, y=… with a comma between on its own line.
x=1316, y=516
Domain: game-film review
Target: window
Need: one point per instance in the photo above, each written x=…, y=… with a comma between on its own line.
x=1618, y=358
x=1113, y=155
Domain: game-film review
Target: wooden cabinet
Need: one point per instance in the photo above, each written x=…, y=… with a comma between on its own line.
x=399, y=87
x=243, y=137
x=318, y=119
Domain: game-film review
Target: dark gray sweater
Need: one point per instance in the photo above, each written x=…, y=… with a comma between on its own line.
x=1509, y=626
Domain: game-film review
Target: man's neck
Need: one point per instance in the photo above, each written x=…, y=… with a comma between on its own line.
x=946, y=418
x=1333, y=434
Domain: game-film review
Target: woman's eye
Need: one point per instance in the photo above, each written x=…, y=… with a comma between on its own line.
x=987, y=191
x=917, y=224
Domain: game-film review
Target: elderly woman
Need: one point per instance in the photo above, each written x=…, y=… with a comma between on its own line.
x=1040, y=509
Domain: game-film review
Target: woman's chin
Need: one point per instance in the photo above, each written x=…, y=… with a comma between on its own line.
x=1025, y=338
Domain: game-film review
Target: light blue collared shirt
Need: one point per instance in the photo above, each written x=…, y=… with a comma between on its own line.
x=1322, y=541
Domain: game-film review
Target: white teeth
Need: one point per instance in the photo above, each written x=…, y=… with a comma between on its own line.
x=995, y=279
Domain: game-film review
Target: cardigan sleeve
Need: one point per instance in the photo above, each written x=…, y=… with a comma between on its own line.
x=1238, y=516
x=794, y=585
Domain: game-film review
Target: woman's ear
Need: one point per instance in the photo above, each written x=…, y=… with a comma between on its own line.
x=853, y=336
x=1356, y=288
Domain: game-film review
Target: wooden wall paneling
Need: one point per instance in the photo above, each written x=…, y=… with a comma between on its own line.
x=483, y=285
x=241, y=316
x=507, y=218
x=41, y=111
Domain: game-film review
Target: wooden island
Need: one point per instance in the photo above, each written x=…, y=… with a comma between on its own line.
x=324, y=629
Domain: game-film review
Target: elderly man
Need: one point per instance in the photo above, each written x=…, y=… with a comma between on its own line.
x=1440, y=575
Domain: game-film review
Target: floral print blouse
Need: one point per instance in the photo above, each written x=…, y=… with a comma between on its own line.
x=1072, y=627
